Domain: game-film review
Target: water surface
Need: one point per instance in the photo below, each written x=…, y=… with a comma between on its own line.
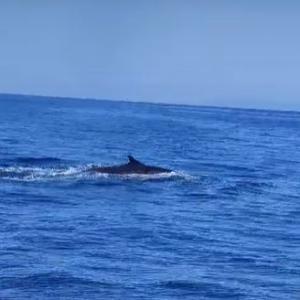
x=225, y=225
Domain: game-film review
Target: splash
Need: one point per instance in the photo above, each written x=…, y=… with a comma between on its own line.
x=20, y=173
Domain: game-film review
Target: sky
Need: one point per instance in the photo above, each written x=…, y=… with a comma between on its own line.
x=238, y=53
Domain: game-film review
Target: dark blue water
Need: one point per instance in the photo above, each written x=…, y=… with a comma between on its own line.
x=224, y=225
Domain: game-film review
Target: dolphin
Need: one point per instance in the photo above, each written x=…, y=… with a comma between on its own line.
x=132, y=167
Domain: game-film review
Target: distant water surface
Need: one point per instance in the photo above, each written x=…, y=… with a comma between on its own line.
x=224, y=225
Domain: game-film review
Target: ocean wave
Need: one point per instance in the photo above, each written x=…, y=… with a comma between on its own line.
x=39, y=160
x=51, y=279
x=207, y=289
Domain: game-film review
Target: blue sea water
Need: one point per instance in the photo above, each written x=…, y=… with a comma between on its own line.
x=224, y=225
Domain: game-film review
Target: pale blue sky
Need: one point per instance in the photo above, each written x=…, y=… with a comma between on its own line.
x=229, y=53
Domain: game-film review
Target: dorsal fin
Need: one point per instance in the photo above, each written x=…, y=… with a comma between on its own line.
x=132, y=160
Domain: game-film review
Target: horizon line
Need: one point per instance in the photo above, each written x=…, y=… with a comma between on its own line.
x=149, y=102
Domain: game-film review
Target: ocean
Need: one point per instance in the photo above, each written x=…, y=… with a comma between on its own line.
x=224, y=225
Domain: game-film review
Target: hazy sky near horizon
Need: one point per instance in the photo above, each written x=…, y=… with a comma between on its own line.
x=212, y=52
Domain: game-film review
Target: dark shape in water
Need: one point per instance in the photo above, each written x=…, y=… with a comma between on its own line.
x=132, y=167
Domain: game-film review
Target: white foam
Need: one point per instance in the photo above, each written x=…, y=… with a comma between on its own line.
x=36, y=173
x=146, y=177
